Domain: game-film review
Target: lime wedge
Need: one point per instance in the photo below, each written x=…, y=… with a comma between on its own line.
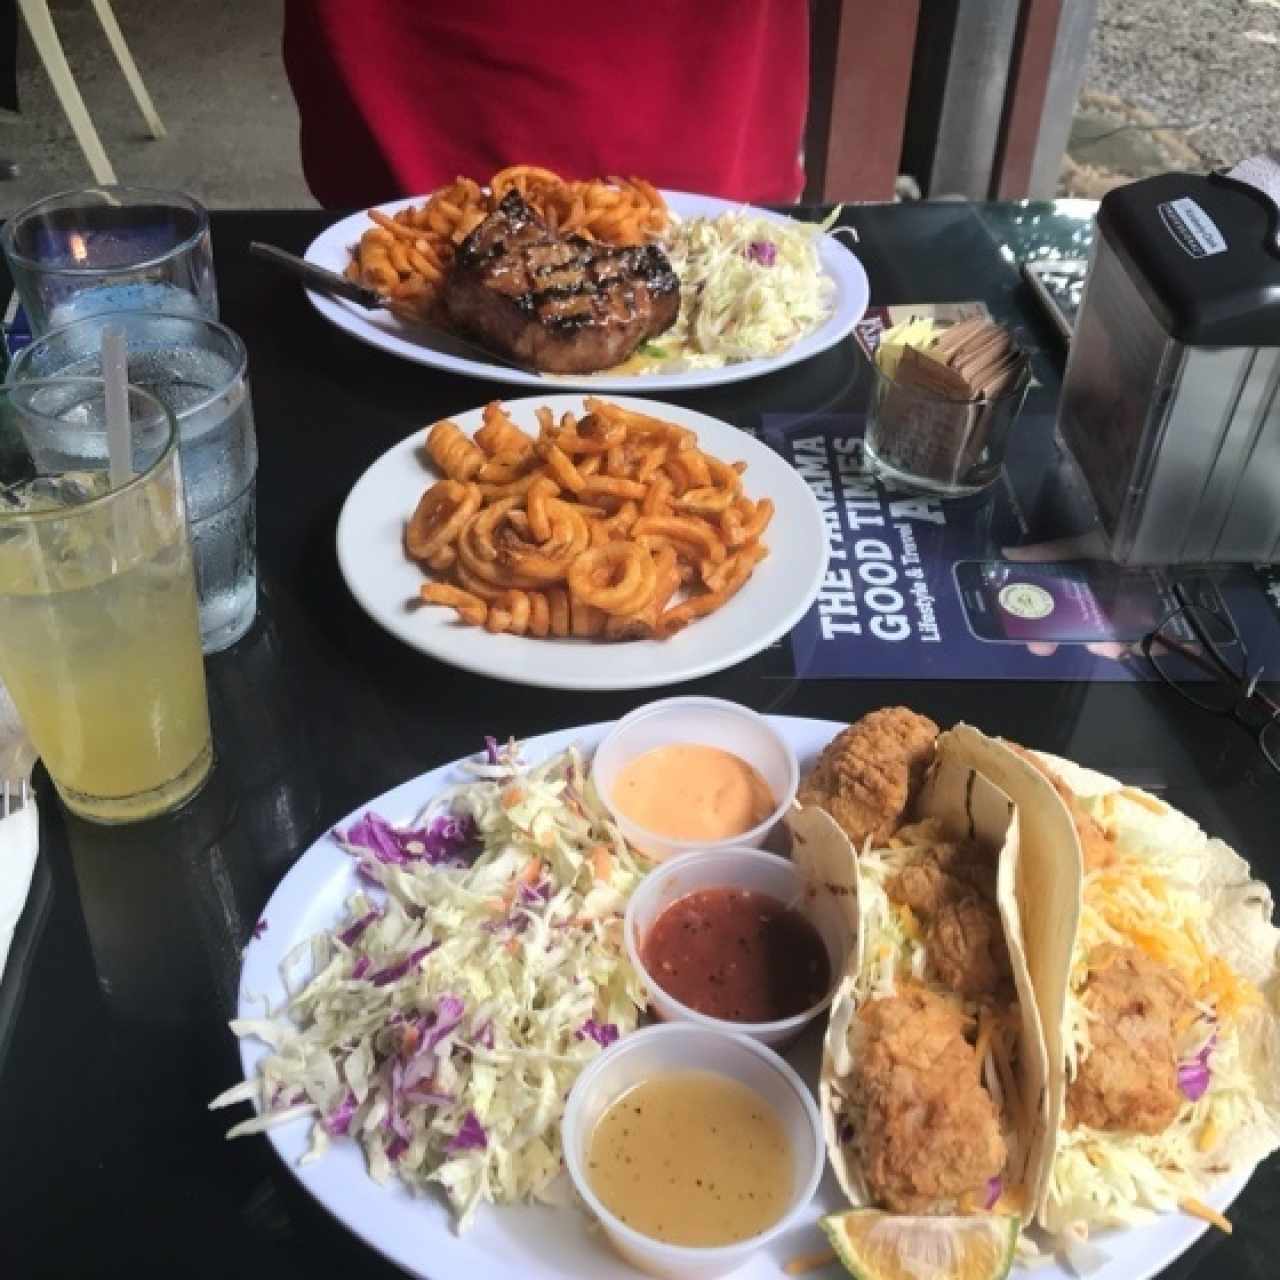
x=888, y=1246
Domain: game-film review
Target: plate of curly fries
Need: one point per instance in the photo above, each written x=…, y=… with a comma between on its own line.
x=582, y=543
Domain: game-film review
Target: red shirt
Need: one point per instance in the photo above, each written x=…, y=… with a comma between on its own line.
x=398, y=97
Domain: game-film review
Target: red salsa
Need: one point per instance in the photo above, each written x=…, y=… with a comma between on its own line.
x=737, y=955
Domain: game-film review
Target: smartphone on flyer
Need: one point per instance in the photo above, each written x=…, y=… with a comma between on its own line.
x=1071, y=602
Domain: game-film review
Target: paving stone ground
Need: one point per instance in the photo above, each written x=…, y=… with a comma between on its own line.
x=1176, y=83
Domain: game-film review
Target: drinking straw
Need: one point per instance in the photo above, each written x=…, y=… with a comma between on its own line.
x=115, y=378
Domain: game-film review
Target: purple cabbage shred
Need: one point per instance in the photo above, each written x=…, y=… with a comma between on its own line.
x=421, y=1066
x=360, y=968
x=449, y=1011
x=994, y=1187
x=395, y=1121
x=367, y=870
x=393, y=973
x=260, y=928
x=1193, y=1075
x=396, y=1148
x=352, y=932
x=338, y=1121
x=471, y=1137
x=491, y=748
x=538, y=893
x=1193, y=1080
x=443, y=840
x=765, y=252
x=603, y=1033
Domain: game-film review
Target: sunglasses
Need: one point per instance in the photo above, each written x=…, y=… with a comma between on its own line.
x=1193, y=642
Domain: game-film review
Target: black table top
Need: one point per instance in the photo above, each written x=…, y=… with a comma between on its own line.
x=124, y=970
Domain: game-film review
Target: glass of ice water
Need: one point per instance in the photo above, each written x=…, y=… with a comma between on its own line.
x=198, y=369
x=110, y=248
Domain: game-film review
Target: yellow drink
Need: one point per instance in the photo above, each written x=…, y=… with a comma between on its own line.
x=100, y=646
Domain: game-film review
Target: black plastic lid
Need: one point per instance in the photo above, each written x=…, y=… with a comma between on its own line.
x=1203, y=252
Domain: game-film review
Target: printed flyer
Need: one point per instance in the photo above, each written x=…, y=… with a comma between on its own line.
x=999, y=586
x=1012, y=584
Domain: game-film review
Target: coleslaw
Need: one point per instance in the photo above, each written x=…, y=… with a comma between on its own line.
x=750, y=287
x=442, y=1022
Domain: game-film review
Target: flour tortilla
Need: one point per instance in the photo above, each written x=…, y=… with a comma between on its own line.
x=826, y=858
x=1047, y=874
x=966, y=802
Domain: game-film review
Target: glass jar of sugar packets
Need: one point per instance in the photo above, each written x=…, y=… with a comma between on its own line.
x=944, y=400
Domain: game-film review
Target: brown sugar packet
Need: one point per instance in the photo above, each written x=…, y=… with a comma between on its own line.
x=919, y=369
x=979, y=374
x=953, y=338
x=979, y=354
x=1003, y=380
x=988, y=335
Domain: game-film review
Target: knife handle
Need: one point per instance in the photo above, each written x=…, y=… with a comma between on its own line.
x=315, y=277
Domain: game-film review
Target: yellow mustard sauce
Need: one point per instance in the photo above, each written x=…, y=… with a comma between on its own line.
x=692, y=1158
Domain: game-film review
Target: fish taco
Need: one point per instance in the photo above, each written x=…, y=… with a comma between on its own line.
x=1158, y=984
x=934, y=1083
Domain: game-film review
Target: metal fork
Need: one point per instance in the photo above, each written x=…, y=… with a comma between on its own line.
x=14, y=795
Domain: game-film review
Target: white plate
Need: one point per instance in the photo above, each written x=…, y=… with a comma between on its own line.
x=332, y=249
x=538, y=1243
x=385, y=581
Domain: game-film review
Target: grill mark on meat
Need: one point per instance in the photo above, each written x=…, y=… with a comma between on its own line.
x=561, y=303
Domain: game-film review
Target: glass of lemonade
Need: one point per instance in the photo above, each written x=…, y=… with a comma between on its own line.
x=99, y=634
x=199, y=370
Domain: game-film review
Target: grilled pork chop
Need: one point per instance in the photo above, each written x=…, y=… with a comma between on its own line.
x=559, y=303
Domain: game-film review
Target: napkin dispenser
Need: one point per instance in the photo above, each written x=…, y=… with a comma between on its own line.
x=1170, y=402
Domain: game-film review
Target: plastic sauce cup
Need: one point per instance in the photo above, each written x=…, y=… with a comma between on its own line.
x=709, y=722
x=749, y=869
x=658, y=1050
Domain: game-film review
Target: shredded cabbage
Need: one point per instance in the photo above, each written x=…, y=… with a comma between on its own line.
x=1148, y=899
x=445, y=1018
x=750, y=287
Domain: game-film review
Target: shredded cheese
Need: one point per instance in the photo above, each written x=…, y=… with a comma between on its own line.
x=1144, y=801
x=910, y=925
x=1208, y=1138
x=807, y=1262
x=1132, y=901
x=1198, y=1209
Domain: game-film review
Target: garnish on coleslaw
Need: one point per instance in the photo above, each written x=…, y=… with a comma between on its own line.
x=446, y=1016
x=750, y=287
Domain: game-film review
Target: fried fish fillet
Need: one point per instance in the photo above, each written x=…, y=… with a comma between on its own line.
x=867, y=775
x=1129, y=1079
x=951, y=890
x=932, y=1134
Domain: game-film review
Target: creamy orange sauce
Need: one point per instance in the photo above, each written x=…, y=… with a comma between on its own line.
x=687, y=791
x=692, y=1158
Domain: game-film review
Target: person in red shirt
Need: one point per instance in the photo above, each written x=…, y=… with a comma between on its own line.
x=398, y=97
